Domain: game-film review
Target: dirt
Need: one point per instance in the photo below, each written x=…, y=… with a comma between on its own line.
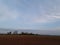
x=29, y=40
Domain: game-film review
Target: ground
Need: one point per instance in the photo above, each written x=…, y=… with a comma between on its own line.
x=29, y=40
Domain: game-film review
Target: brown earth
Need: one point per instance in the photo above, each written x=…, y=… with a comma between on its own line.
x=29, y=40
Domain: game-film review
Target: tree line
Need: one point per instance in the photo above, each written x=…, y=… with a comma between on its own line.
x=22, y=33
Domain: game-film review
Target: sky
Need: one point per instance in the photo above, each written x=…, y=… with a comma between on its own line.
x=30, y=14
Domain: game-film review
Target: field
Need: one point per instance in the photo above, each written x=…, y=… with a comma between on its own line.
x=29, y=40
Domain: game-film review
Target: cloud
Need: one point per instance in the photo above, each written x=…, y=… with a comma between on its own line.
x=46, y=18
x=56, y=28
x=48, y=13
x=34, y=13
x=29, y=14
x=6, y=13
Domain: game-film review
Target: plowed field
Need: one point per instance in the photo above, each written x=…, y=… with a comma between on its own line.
x=29, y=40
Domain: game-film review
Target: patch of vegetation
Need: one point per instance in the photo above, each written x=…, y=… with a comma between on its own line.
x=16, y=33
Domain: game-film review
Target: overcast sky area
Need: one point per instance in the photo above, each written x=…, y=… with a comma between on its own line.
x=30, y=14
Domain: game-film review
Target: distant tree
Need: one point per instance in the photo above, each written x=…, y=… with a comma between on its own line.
x=31, y=33
x=8, y=33
x=15, y=32
x=26, y=33
x=22, y=33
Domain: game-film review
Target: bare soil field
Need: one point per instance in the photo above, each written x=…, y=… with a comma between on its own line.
x=29, y=40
